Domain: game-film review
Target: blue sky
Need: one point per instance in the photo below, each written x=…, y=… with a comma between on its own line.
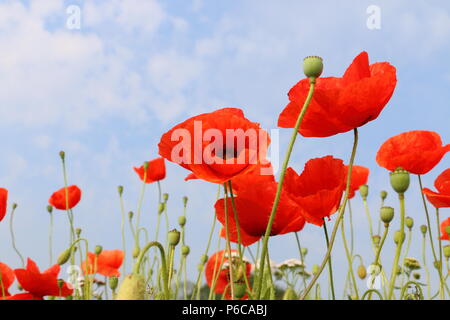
x=106, y=92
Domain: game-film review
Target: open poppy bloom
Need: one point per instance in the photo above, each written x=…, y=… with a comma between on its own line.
x=341, y=104
x=3, y=202
x=444, y=225
x=38, y=285
x=319, y=188
x=6, y=279
x=216, y=146
x=108, y=263
x=253, y=207
x=218, y=267
x=58, y=198
x=360, y=175
x=415, y=151
x=440, y=199
x=156, y=171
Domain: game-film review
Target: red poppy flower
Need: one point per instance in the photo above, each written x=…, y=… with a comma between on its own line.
x=6, y=279
x=445, y=224
x=217, y=266
x=3, y=202
x=216, y=146
x=22, y=296
x=360, y=175
x=58, y=198
x=415, y=151
x=156, y=171
x=108, y=263
x=341, y=104
x=42, y=284
x=253, y=207
x=318, y=190
x=440, y=199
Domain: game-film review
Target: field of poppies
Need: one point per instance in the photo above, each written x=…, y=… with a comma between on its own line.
x=254, y=203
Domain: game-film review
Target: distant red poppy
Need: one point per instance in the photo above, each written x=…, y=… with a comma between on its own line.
x=3, y=202
x=440, y=199
x=253, y=207
x=341, y=104
x=6, y=279
x=216, y=146
x=58, y=198
x=156, y=171
x=217, y=267
x=108, y=263
x=319, y=188
x=415, y=151
x=445, y=224
x=360, y=175
x=38, y=285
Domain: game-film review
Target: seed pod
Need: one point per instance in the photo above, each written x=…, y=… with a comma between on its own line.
x=185, y=250
x=423, y=229
x=387, y=214
x=400, y=180
x=313, y=66
x=383, y=195
x=98, y=250
x=174, y=237
x=399, y=237
x=182, y=221
x=364, y=191
x=409, y=222
x=113, y=282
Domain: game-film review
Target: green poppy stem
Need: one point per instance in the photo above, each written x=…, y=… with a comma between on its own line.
x=398, y=250
x=280, y=185
x=330, y=267
x=13, y=238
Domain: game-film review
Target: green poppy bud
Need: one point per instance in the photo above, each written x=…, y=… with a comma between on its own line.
x=387, y=214
x=185, y=250
x=423, y=229
x=239, y=289
x=49, y=209
x=304, y=252
x=174, y=237
x=98, y=250
x=113, y=283
x=315, y=269
x=132, y=288
x=399, y=236
x=185, y=200
x=447, y=251
x=416, y=275
x=400, y=180
x=120, y=189
x=64, y=257
x=166, y=196
x=376, y=239
x=62, y=155
x=383, y=195
x=161, y=207
x=409, y=222
x=136, y=252
x=364, y=191
x=14, y=206
x=290, y=294
x=130, y=215
x=181, y=221
x=204, y=259
x=313, y=66
x=362, y=272
x=78, y=232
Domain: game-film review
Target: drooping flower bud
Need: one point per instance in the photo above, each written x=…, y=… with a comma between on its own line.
x=423, y=229
x=132, y=288
x=78, y=232
x=113, y=282
x=290, y=294
x=64, y=257
x=400, y=180
x=362, y=272
x=383, y=195
x=313, y=66
x=161, y=207
x=136, y=252
x=98, y=250
x=387, y=214
x=181, y=221
x=409, y=222
x=174, y=237
x=399, y=237
x=364, y=191
x=185, y=250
